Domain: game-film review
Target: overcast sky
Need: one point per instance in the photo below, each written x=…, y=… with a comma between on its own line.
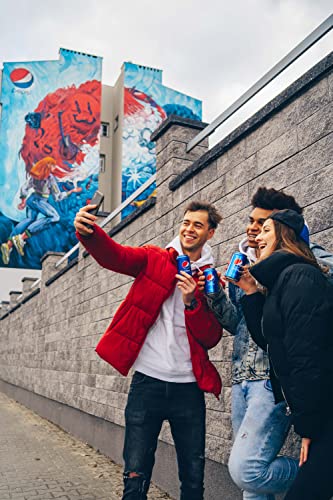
x=213, y=50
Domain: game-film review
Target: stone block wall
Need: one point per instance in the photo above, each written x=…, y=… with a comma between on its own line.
x=47, y=342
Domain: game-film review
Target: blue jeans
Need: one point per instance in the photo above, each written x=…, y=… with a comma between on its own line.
x=36, y=205
x=150, y=402
x=260, y=428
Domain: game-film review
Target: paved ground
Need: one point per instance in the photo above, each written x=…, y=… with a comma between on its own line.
x=39, y=461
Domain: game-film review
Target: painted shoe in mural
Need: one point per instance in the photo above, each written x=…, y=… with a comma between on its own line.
x=5, y=253
x=19, y=243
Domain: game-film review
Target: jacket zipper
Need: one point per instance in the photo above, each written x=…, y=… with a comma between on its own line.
x=288, y=409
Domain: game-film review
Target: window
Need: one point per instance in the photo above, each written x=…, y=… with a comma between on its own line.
x=102, y=163
x=105, y=129
x=116, y=123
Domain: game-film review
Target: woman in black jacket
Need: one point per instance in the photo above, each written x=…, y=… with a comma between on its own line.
x=293, y=321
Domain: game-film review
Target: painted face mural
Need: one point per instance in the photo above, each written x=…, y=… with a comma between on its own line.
x=52, y=163
x=146, y=104
x=61, y=124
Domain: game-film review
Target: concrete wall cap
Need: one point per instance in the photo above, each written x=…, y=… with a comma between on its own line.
x=51, y=254
x=176, y=120
x=28, y=278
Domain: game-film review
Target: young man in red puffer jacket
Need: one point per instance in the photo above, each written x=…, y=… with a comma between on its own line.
x=163, y=329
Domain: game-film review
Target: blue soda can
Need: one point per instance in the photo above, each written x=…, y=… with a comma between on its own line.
x=234, y=270
x=211, y=280
x=184, y=264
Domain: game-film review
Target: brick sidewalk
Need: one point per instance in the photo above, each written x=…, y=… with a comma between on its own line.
x=39, y=461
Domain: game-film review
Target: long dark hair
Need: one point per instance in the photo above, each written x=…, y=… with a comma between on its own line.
x=288, y=241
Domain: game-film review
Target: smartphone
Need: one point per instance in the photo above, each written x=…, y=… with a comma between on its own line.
x=97, y=200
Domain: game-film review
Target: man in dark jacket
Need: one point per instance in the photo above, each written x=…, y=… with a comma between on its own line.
x=162, y=330
x=260, y=426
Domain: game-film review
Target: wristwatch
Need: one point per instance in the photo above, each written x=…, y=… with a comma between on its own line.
x=192, y=306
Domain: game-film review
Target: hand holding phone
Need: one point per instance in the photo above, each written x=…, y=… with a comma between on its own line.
x=87, y=215
x=97, y=200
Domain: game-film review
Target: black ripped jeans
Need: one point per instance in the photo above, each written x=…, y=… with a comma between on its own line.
x=150, y=402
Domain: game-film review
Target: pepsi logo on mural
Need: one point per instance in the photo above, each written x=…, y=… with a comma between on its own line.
x=21, y=78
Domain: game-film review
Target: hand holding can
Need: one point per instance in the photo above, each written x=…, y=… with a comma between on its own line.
x=235, y=268
x=184, y=264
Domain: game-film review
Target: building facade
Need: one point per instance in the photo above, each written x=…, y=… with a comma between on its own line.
x=49, y=153
x=131, y=111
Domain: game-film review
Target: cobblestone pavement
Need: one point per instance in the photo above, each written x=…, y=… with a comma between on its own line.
x=39, y=461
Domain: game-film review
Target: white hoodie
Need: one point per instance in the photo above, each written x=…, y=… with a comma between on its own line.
x=165, y=354
x=248, y=251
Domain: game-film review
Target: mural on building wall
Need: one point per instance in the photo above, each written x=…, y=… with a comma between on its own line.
x=49, y=153
x=147, y=102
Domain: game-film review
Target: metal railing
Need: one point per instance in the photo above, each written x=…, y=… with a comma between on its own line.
x=35, y=283
x=113, y=214
x=286, y=61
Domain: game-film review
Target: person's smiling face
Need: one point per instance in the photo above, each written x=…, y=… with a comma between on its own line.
x=266, y=240
x=256, y=221
x=195, y=231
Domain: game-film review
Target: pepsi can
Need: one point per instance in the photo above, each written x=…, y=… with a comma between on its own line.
x=184, y=264
x=234, y=271
x=211, y=280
